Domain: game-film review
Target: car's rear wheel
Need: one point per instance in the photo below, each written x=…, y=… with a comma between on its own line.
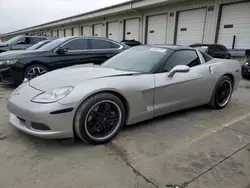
x=34, y=70
x=99, y=118
x=222, y=93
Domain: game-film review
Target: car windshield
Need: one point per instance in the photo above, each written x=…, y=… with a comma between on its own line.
x=12, y=39
x=38, y=45
x=52, y=45
x=138, y=59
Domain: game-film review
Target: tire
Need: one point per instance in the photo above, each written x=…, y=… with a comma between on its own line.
x=216, y=102
x=94, y=109
x=38, y=70
x=246, y=77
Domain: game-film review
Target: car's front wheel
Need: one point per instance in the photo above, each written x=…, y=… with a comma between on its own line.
x=222, y=93
x=99, y=118
x=34, y=70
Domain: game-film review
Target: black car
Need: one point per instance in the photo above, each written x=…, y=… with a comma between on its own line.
x=131, y=43
x=22, y=42
x=246, y=69
x=63, y=52
x=214, y=50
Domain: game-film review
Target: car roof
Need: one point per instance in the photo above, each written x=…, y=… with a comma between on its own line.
x=200, y=44
x=94, y=37
x=172, y=47
x=87, y=37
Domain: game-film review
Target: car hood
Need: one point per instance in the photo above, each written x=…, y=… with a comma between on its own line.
x=11, y=52
x=20, y=54
x=74, y=75
x=2, y=44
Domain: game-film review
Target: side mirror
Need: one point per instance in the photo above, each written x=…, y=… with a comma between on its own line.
x=61, y=50
x=178, y=68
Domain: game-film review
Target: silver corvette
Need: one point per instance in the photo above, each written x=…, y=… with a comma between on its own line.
x=94, y=102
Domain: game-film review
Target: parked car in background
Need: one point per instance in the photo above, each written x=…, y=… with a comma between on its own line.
x=214, y=50
x=22, y=42
x=34, y=47
x=57, y=54
x=141, y=83
x=245, y=71
x=131, y=43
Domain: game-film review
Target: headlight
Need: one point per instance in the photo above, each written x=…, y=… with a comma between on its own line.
x=8, y=62
x=247, y=64
x=52, y=95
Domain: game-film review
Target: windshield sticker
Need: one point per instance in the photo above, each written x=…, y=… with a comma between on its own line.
x=158, y=50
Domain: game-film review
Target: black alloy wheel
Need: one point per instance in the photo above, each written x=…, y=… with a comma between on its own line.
x=222, y=93
x=102, y=119
x=99, y=118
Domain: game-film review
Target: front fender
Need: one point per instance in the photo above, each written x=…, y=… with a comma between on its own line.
x=138, y=94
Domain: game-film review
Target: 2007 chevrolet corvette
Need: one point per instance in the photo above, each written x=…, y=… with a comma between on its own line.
x=94, y=102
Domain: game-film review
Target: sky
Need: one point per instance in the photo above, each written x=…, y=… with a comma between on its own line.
x=19, y=14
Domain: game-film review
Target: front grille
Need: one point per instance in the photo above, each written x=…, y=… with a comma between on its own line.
x=39, y=126
x=34, y=125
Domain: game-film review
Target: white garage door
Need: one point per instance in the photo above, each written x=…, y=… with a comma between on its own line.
x=132, y=29
x=76, y=31
x=157, y=29
x=191, y=26
x=54, y=33
x=98, y=30
x=235, y=20
x=60, y=33
x=113, y=30
x=47, y=33
x=86, y=30
x=68, y=32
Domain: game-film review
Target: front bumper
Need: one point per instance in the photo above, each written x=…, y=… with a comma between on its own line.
x=5, y=76
x=11, y=74
x=245, y=71
x=25, y=113
x=25, y=127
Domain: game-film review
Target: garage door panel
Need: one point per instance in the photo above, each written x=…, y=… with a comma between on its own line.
x=132, y=29
x=68, y=32
x=190, y=27
x=61, y=33
x=85, y=30
x=98, y=30
x=157, y=29
x=238, y=16
x=55, y=33
x=76, y=31
x=113, y=30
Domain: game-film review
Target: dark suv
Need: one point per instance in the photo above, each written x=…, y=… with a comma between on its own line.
x=22, y=42
x=214, y=50
x=59, y=53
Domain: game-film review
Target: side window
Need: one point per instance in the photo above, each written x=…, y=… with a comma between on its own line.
x=206, y=56
x=183, y=57
x=77, y=44
x=102, y=44
x=218, y=48
x=24, y=40
x=34, y=40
